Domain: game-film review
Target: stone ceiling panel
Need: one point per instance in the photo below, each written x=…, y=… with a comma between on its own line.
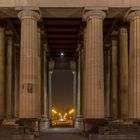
x=69, y=3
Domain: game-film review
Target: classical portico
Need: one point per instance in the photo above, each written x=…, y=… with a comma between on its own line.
x=101, y=46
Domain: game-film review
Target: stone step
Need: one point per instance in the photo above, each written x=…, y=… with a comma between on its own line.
x=23, y=136
x=114, y=137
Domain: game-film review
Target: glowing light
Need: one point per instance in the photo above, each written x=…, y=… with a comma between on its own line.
x=61, y=119
x=71, y=111
x=59, y=114
x=65, y=115
x=55, y=112
x=62, y=54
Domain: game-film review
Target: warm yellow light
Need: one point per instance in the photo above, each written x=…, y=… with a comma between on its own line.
x=55, y=112
x=71, y=111
x=65, y=114
x=59, y=114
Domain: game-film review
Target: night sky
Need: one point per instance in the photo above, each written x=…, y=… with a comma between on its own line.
x=62, y=90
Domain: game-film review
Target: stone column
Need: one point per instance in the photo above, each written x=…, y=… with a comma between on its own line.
x=29, y=98
x=134, y=65
x=107, y=80
x=9, y=76
x=73, y=68
x=114, y=78
x=44, y=81
x=16, y=80
x=2, y=72
x=39, y=67
x=78, y=97
x=45, y=123
x=123, y=73
x=93, y=97
x=51, y=68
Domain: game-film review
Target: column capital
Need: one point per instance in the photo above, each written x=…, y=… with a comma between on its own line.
x=123, y=30
x=132, y=15
x=9, y=35
x=73, y=66
x=28, y=14
x=51, y=65
x=114, y=35
x=94, y=13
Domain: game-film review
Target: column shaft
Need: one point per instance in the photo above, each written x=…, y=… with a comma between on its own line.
x=50, y=94
x=134, y=65
x=16, y=80
x=2, y=72
x=107, y=73
x=74, y=91
x=114, y=79
x=9, y=78
x=29, y=97
x=44, y=82
x=39, y=67
x=78, y=120
x=78, y=106
x=50, y=72
x=93, y=73
x=123, y=73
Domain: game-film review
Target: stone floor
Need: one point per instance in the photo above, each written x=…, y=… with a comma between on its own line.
x=71, y=134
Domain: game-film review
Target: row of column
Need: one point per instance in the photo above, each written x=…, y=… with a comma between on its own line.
x=9, y=52
x=93, y=100
x=122, y=103
x=93, y=97
x=116, y=75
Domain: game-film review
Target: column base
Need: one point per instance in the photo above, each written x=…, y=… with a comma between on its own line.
x=11, y=122
x=44, y=123
x=78, y=122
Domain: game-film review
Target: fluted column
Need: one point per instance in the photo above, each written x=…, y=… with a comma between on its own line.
x=9, y=77
x=94, y=75
x=2, y=72
x=123, y=73
x=29, y=98
x=114, y=78
x=134, y=65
